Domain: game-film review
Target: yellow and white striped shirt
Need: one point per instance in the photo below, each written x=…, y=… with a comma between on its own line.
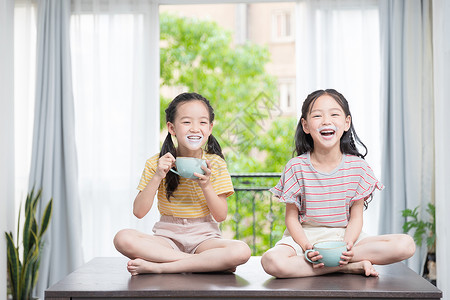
x=188, y=200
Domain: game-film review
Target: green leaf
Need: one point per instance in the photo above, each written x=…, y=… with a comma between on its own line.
x=14, y=269
x=18, y=222
x=28, y=199
x=46, y=218
x=28, y=267
x=27, y=230
x=36, y=200
x=407, y=213
x=36, y=271
x=24, y=273
x=431, y=240
x=424, y=229
x=407, y=226
x=34, y=226
x=432, y=212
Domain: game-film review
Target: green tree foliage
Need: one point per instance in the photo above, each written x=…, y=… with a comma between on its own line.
x=200, y=56
x=277, y=144
x=257, y=218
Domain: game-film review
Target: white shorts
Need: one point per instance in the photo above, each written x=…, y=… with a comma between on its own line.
x=317, y=234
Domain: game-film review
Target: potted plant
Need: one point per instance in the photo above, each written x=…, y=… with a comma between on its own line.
x=23, y=273
x=424, y=229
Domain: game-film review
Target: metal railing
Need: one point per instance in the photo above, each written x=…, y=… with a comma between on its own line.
x=254, y=217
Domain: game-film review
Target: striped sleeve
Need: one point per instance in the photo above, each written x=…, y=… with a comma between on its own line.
x=288, y=189
x=220, y=177
x=148, y=172
x=367, y=182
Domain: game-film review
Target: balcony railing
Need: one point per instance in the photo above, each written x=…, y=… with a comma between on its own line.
x=254, y=216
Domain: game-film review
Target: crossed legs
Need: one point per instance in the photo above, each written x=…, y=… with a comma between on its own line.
x=152, y=254
x=283, y=262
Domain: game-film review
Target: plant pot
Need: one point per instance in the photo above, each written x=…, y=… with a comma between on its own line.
x=429, y=270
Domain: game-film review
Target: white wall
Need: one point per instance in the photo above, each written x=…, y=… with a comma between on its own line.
x=441, y=46
x=6, y=132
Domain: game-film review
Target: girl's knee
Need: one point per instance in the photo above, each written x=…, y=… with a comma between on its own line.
x=404, y=246
x=408, y=246
x=267, y=259
x=270, y=262
x=123, y=240
x=240, y=253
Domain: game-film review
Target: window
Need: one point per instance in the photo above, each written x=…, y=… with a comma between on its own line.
x=288, y=101
x=282, y=26
x=342, y=52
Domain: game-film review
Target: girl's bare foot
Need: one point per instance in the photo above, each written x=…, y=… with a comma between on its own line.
x=140, y=266
x=364, y=267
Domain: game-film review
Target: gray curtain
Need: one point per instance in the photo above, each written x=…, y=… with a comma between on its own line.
x=407, y=98
x=54, y=163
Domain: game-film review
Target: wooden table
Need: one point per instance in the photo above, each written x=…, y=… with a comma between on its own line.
x=107, y=277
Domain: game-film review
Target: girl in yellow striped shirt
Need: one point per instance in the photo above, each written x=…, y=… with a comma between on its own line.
x=187, y=237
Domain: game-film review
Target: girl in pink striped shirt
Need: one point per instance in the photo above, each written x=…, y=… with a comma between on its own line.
x=326, y=188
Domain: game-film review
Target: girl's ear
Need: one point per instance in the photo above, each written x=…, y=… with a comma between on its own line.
x=171, y=128
x=211, y=125
x=305, y=126
x=348, y=122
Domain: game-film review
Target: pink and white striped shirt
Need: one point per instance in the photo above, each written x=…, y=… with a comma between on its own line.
x=324, y=199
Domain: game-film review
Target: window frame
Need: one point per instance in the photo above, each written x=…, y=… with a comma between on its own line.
x=283, y=38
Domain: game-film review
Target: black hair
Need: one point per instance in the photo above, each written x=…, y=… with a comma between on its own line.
x=304, y=141
x=212, y=145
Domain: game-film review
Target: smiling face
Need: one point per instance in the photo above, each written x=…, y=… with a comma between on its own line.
x=326, y=122
x=191, y=127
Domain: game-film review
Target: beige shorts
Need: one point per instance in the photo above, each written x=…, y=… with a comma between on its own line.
x=317, y=234
x=186, y=234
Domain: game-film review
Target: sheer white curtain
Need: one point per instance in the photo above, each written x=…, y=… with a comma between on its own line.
x=24, y=88
x=115, y=71
x=337, y=46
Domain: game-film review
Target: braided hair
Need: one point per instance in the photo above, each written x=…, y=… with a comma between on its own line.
x=212, y=145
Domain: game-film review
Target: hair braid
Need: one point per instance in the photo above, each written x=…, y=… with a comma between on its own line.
x=213, y=146
x=172, y=180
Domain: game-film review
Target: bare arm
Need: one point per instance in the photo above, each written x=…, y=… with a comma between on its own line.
x=298, y=234
x=217, y=204
x=353, y=230
x=295, y=228
x=355, y=223
x=144, y=199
